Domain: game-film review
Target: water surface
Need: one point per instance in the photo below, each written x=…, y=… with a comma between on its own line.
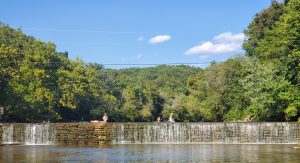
x=150, y=153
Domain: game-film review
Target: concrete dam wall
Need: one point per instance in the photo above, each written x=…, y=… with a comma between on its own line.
x=54, y=133
x=150, y=133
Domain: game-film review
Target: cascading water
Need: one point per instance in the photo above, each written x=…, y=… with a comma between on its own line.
x=147, y=133
x=39, y=134
x=8, y=131
x=30, y=134
x=235, y=133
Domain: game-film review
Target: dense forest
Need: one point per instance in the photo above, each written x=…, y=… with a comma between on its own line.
x=37, y=83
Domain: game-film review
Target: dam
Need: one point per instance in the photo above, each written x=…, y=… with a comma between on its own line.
x=150, y=133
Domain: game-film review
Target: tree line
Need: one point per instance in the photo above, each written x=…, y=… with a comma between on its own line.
x=38, y=83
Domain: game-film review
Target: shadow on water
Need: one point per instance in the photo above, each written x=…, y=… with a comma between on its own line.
x=152, y=153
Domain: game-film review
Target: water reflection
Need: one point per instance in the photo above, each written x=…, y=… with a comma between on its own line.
x=151, y=153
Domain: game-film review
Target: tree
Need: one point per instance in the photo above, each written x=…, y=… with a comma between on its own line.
x=264, y=91
x=33, y=83
x=280, y=46
x=262, y=22
x=80, y=90
x=217, y=89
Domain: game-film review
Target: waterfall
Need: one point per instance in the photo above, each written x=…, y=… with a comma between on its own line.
x=30, y=134
x=151, y=133
x=39, y=134
x=7, y=135
x=228, y=133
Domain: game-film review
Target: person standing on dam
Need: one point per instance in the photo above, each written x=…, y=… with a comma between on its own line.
x=158, y=119
x=171, y=119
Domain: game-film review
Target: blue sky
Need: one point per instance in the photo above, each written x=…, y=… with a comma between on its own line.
x=136, y=31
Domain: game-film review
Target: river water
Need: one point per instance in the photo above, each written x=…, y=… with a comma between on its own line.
x=151, y=153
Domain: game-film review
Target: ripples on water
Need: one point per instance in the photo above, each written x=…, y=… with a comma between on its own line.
x=151, y=153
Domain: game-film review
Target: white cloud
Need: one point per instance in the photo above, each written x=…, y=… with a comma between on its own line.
x=228, y=37
x=212, y=48
x=221, y=44
x=141, y=38
x=139, y=56
x=159, y=39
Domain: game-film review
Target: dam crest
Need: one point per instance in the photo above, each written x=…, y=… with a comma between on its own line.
x=150, y=133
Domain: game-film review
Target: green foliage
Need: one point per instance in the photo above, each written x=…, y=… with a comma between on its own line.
x=291, y=111
x=263, y=89
x=37, y=83
x=280, y=46
x=263, y=21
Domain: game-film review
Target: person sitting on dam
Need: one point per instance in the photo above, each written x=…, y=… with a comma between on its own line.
x=105, y=118
x=249, y=118
x=171, y=119
x=94, y=121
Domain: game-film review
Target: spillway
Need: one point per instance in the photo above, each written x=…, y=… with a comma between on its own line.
x=228, y=133
x=29, y=134
x=150, y=133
